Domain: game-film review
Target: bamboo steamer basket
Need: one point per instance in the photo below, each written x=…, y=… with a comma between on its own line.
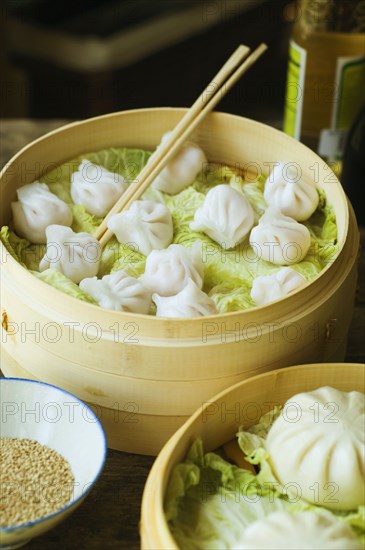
x=217, y=422
x=146, y=375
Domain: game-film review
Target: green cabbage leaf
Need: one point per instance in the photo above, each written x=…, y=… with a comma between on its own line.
x=228, y=274
x=209, y=502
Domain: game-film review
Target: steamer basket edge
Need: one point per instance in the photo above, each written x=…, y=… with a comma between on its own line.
x=126, y=428
x=153, y=526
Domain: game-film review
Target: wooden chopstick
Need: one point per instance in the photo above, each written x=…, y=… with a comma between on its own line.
x=234, y=60
x=202, y=106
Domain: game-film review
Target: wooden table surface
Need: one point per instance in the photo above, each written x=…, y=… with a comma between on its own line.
x=109, y=517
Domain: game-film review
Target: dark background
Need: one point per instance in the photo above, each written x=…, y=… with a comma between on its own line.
x=80, y=59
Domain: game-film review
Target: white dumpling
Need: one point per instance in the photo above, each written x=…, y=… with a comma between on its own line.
x=226, y=216
x=279, y=239
x=146, y=224
x=167, y=271
x=182, y=169
x=37, y=208
x=189, y=302
x=118, y=291
x=267, y=288
x=76, y=255
x=299, y=531
x=96, y=188
x=318, y=442
x=292, y=196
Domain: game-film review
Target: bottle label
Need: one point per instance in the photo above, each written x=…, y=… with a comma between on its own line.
x=295, y=90
x=349, y=98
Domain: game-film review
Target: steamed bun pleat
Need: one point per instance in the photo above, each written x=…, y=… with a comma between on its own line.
x=118, y=291
x=37, y=208
x=146, y=224
x=96, y=188
x=307, y=530
x=182, y=169
x=76, y=255
x=189, y=302
x=287, y=191
x=168, y=271
x=279, y=239
x=319, y=438
x=226, y=216
x=267, y=288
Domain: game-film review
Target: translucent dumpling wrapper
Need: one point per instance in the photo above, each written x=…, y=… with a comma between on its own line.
x=168, y=271
x=118, y=291
x=279, y=239
x=267, y=288
x=299, y=531
x=294, y=197
x=36, y=209
x=191, y=301
x=96, y=188
x=182, y=169
x=146, y=224
x=318, y=443
x=76, y=255
x=226, y=216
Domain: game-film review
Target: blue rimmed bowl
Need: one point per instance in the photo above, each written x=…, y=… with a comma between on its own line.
x=61, y=421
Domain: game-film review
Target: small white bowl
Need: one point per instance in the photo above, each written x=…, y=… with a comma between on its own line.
x=58, y=419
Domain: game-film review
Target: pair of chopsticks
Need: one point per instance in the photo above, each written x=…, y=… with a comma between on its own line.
x=228, y=75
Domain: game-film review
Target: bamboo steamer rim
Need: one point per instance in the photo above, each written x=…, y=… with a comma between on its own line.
x=153, y=525
x=69, y=301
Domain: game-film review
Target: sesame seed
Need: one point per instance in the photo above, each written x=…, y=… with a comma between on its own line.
x=35, y=481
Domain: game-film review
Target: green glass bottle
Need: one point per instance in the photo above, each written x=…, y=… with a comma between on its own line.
x=352, y=176
x=326, y=73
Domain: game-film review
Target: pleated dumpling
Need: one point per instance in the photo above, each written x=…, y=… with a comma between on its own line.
x=318, y=443
x=118, y=291
x=96, y=188
x=189, y=302
x=182, y=169
x=226, y=216
x=146, y=224
x=279, y=239
x=167, y=271
x=294, y=197
x=76, y=255
x=36, y=209
x=267, y=288
x=307, y=530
